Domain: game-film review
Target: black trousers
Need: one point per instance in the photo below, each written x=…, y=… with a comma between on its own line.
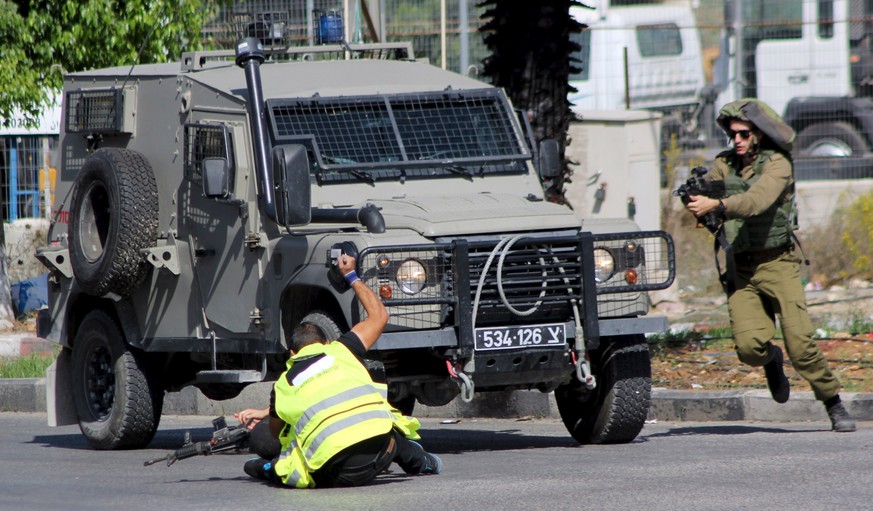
x=355, y=465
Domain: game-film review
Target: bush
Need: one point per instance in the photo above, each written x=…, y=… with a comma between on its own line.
x=840, y=250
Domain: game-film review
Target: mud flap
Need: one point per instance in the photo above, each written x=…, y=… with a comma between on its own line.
x=59, y=404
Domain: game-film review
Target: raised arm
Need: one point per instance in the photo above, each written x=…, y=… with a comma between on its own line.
x=371, y=328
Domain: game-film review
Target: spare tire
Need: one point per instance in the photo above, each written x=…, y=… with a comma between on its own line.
x=114, y=215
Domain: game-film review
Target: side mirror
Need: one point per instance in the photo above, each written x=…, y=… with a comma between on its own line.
x=216, y=176
x=550, y=159
x=291, y=182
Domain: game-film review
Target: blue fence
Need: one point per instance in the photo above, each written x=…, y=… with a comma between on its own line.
x=26, y=167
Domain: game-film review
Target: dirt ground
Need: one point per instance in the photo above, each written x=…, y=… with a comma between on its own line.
x=844, y=331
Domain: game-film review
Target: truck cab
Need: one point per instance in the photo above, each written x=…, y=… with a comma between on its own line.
x=810, y=60
x=640, y=55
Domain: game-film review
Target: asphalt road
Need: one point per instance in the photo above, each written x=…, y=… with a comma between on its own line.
x=488, y=464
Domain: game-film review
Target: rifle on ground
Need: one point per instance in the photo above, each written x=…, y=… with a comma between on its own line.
x=224, y=438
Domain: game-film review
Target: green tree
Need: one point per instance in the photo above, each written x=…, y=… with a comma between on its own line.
x=40, y=40
x=43, y=39
x=531, y=59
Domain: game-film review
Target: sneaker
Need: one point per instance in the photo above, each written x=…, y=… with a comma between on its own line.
x=841, y=421
x=776, y=379
x=432, y=464
x=258, y=468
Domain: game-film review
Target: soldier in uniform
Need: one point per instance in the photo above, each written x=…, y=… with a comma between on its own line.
x=759, y=215
x=334, y=424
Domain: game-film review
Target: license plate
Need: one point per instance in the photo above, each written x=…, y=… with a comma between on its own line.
x=529, y=336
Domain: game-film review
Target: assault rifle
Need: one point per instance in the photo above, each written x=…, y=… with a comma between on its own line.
x=224, y=438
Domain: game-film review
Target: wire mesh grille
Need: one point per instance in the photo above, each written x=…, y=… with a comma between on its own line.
x=648, y=254
x=642, y=262
x=539, y=278
x=425, y=309
x=94, y=111
x=205, y=141
x=400, y=129
x=519, y=280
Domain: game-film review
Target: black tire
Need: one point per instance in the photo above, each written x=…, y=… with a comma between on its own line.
x=324, y=321
x=833, y=139
x=117, y=402
x=114, y=215
x=405, y=405
x=616, y=409
x=330, y=327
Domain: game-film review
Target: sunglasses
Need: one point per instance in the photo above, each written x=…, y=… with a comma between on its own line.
x=744, y=134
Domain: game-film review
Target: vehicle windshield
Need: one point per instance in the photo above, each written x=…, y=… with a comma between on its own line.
x=465, y=133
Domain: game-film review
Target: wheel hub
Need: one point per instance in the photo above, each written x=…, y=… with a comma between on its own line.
x=100, y=383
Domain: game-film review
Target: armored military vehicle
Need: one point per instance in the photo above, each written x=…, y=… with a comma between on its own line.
x=207, y=200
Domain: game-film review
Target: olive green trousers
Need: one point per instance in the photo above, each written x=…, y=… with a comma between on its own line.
x=773, y=290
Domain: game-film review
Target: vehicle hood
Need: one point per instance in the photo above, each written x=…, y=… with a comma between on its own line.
x=484, y=213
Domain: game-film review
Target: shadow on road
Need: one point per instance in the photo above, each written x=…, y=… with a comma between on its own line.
x=457, y=440
x=730, y=430
x=164, y=439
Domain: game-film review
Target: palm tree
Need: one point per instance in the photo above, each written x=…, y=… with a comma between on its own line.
x=530, y=58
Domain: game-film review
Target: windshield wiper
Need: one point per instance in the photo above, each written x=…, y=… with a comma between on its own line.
x=362, y=174
x=457, y=169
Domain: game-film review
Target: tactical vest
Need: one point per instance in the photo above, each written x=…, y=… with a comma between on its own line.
x=770, y=229
x=331, y=405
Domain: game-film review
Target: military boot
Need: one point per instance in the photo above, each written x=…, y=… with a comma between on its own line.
x=780, y=389
x=841, y=421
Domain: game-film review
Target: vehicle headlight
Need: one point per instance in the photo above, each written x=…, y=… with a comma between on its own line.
x=411, y=276
x=604, y=265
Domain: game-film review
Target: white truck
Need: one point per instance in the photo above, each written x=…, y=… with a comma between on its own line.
x=641, y=55
x=811, y=61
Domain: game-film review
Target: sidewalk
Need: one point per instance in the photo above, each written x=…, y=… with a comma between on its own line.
x=28, y=395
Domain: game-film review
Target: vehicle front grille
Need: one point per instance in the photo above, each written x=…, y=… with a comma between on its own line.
x=522, y=279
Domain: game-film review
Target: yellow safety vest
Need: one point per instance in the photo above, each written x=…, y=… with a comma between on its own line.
x=331, y=405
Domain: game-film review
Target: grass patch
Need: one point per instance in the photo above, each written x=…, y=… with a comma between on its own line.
x=859, y=323
x=660, y=344
x=32, y=366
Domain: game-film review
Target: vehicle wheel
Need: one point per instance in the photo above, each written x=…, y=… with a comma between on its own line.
x=114, y=215
x=325, y=322
x=331, y=330
x=405, y=405
x=616, y=409
x=118, y=404
x=830, y=139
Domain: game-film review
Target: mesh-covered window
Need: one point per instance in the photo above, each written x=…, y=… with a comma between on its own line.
x=353, y=132
x=205, y=141
x=94, y=111
x=438, y=128
x=400, y=130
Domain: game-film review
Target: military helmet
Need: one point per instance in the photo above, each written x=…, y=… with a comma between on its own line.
x=762, y=116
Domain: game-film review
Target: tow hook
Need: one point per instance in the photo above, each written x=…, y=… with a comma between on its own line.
x=463, y=381
x=583, y=372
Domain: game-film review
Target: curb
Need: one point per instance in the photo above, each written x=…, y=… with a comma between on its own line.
x=29, y=395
